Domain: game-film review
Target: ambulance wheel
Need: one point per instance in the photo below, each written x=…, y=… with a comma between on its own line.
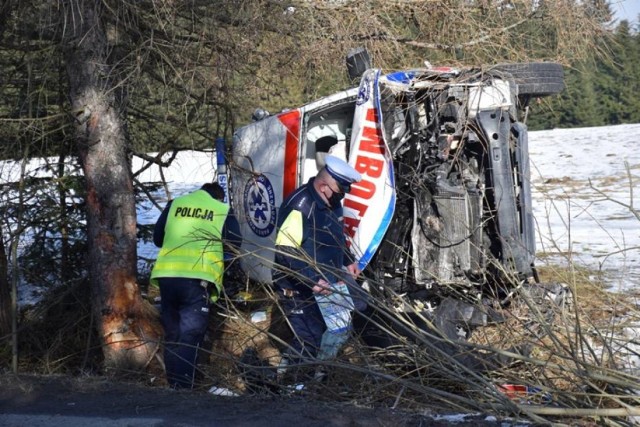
x=534, y=79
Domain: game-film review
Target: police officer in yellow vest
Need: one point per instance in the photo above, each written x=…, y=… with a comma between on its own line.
x=190, y=232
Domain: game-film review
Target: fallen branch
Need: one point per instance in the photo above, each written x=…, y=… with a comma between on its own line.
x=581, y=412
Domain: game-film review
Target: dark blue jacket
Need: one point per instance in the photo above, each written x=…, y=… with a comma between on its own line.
x=322, y=251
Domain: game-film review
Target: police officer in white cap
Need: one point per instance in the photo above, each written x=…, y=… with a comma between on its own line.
x=311, y=252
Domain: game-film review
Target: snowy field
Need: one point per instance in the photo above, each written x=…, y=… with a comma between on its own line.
x=569, y=169
x=579, y=182
x=580, y=186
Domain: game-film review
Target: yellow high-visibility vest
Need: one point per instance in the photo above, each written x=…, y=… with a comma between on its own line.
x=192, y=245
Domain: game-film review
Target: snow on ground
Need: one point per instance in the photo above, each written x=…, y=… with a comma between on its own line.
x=571, y=216
x=580, y=183
x=580, y=186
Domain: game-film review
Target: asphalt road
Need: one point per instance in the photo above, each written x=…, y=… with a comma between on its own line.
x=73, y=402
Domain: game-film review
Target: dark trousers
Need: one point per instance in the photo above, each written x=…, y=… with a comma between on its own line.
x=185, y=317
x=305, y=318
x=307, y=323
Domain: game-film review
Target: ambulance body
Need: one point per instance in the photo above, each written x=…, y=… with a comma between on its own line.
x=445, y=199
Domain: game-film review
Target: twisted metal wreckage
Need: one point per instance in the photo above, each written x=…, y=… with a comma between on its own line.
x=441, y=223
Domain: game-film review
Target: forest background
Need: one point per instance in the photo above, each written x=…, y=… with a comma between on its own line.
x=88, y=85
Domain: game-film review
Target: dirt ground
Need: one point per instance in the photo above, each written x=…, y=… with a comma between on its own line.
x=57, y=401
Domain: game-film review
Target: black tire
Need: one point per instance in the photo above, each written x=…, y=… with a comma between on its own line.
x=535, y=79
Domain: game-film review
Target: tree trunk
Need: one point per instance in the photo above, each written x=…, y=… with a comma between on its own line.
x=65, y=270
x=5, y=292
x=125, y=322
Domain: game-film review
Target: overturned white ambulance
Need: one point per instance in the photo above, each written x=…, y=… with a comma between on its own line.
x=444, y=207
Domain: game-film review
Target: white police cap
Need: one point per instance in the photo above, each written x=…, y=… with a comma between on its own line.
x=342, y=172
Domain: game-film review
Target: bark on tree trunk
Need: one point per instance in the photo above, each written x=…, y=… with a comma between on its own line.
x=126, y=323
